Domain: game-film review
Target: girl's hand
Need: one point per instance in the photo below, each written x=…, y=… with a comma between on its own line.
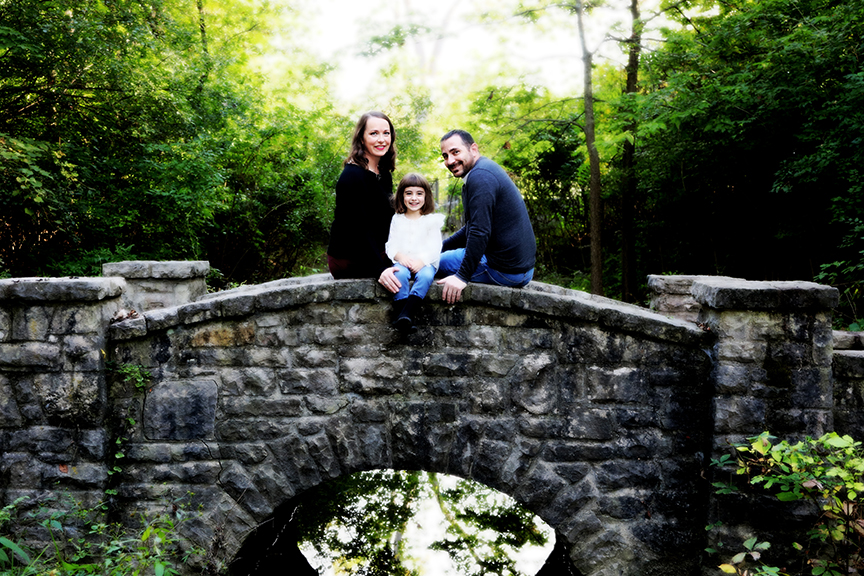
x=414, y=264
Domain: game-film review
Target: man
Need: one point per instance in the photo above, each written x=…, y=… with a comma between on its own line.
x=496, y=245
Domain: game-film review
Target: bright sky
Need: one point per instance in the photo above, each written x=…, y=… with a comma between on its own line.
x=545, y=52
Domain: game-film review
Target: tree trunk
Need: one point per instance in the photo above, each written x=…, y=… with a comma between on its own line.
x=628, y=188
x=594, y=191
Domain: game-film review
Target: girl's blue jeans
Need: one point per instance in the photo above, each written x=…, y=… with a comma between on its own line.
x=422, y=281
x=451, y=260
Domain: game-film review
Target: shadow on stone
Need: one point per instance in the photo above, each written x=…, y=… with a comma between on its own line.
x=272, y=548
x=558, y=563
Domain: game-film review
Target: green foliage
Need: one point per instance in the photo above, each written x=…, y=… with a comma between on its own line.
x=131, y=132
x=829, y=472
x=484, y=531
x=537, y=139
x=352, y=520
x=738, y=564
x=82, y=542
x=359, y=523
x=133, y=374
x=749, y=148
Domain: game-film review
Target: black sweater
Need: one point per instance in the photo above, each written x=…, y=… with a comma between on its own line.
x=496, y=223
x=361, y=221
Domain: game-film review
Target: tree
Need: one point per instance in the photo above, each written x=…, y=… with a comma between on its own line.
x=360, y=523
x=137, y=130
x=749, y=149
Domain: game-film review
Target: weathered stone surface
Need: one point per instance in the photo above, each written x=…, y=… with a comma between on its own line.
x=732, y=294
x=32, y=355
x=184, y=410
x=60, y=289
x=842, y=339
x=179, y=269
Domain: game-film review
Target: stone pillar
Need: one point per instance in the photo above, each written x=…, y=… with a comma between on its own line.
x=52, y=385
x=152, y=284
x=772, y=372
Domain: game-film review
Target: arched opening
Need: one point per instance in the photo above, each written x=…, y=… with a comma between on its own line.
x=402, y=523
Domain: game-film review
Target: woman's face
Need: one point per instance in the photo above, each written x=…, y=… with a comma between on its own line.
x=376, y=137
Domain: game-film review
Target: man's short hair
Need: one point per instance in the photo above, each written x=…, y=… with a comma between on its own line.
x=465, y=136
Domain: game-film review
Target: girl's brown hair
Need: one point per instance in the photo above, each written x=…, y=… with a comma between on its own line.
x=358, y=151
x=414, y=179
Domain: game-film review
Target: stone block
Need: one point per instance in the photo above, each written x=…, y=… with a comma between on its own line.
x=5, y=324
x=812, y=388
x=128, y=329
x=734, y=294
x=182, y=410
x=32, y=322
x=326, y=404
x=151, y=452
x=589, y=424
x=83, y=475
x=847, y=363
x=162, y=318
x=31, y=355
x=255, y=406
x=308, y=381
x=537, y=397
x=314, y=357
x=251, y=381
x=558, y=451
x=739, y=415
x=236, y=305
x=633, y=474
x=197, y=312
x=72, y=396
x=296, y=462
x=539, y=487
x=10, y=415
x=449, y=364
x=842, y=339
x=60, y=289
x=623, y=384
x=235, y=480
x=270, y=357
x=261, y=427
x=380, y=367
x=489, y=396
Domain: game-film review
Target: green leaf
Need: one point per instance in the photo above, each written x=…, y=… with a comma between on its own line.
x=15, y=549
x=788, y=496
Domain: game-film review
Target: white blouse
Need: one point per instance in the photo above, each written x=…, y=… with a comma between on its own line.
x=419, y=238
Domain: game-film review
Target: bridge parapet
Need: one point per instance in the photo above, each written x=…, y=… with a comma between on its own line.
x=599, y=416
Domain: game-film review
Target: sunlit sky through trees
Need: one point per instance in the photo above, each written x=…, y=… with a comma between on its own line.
x=462, y=45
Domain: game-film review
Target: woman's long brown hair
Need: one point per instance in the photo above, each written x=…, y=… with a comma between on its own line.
x=387, y=163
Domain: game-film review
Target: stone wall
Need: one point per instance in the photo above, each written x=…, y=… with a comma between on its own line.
x=597, y=415
x=53, y=397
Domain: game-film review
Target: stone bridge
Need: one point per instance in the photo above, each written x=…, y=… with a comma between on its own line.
x=598, y=416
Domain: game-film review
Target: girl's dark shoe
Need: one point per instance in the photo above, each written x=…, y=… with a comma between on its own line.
x=405, y=322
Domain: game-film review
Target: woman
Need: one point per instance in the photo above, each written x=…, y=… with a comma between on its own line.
x=363, y=212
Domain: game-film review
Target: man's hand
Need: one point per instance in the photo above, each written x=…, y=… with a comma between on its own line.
x=389, y=281
x=453, y=287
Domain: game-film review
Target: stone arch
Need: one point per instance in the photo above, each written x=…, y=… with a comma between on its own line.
x=589, y=412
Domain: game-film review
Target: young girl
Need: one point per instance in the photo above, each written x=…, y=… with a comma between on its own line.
x=414, y=246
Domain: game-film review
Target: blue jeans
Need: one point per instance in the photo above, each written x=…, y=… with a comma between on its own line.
x=451, y=260
x=422, y=281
